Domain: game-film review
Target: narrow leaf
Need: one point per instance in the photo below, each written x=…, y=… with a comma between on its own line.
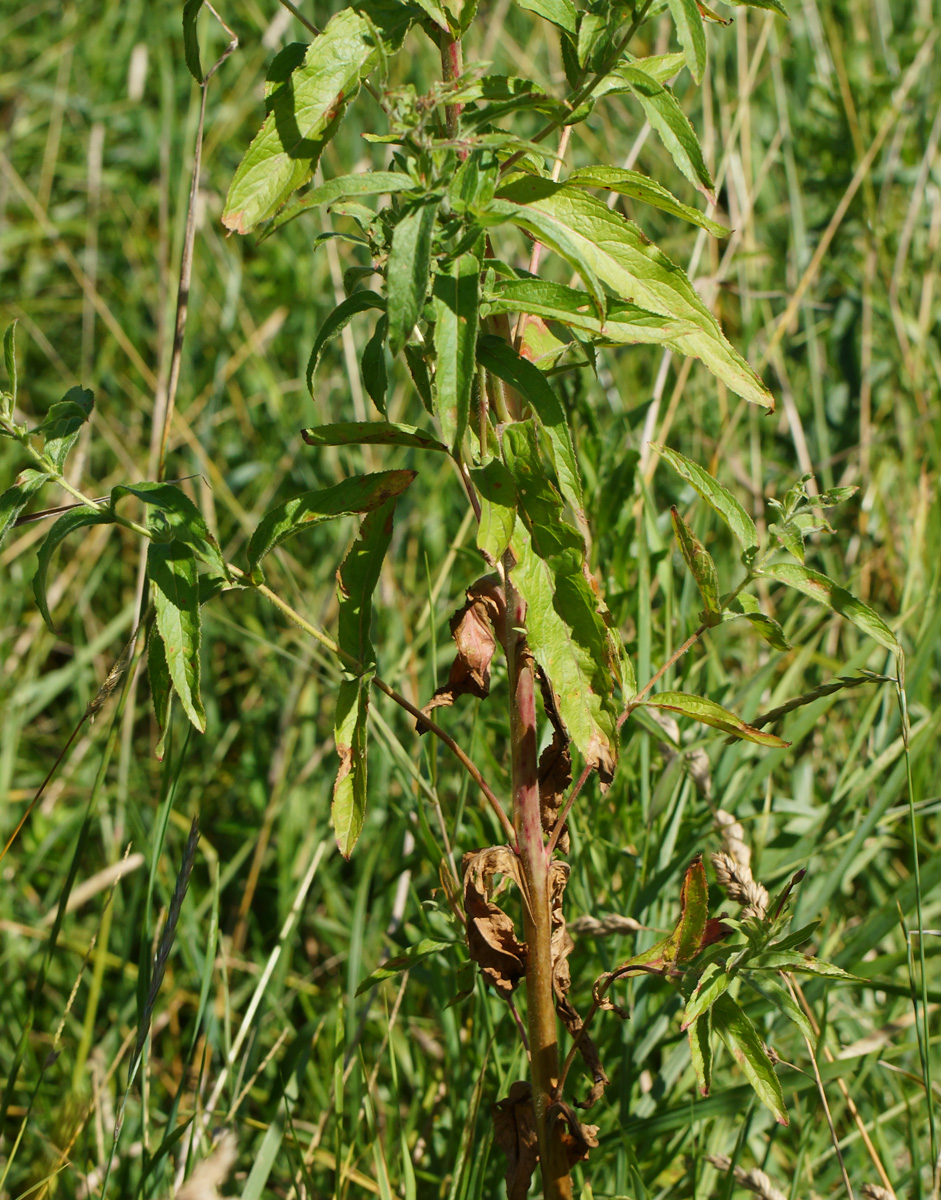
x=818, y=587
x=700, y=563
x=497, y=492
x=714, y=981
x=718, y=498
x=408, y=268
x=692, y=35
x=15, y=498
x=190, y=40
x=767, y=627
x=63, y=423
x=560, y=12
x=337, y=322
x=76, y=519
x=773, y=960
x=373, y=365
x=700, y=1050
x=665, y=115
x=360, y=494
x=370, y=433
x=685, y=940
x=344, y=187
x=456, y=300
x=161, y=688
x=181, y=515
x=348, y=810
x=403, y=962
x=646, y=190
x=741, y=1038
x=172, y=570
x=772, y=989
x=9, y=357
x=707, y=712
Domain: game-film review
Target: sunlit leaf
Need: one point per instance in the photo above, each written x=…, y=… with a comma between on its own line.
x=180, y=515
x=692, y=35
x=646, y=190
x=9, y=357
x=343, y=187
x=78, y=518
x=818, y=587
x=408, y=269
x=717, y=497
x=171, y=567
x=741, y=1038
x=15, y=498
x=338, y=320
x=63, y=423
x=497, y=492
x=700, y=1050
x=370, y=433
x=161, y=687
x=403, y=962
x=700, y=563
x=708, y=712
x=455, y=299
x=560, y=12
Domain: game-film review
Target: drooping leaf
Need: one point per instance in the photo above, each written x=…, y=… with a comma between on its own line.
x=171, y=567
x=700, y=1049
x=63, y=423
x=646, y=190
x=700, y=563
x=15, y=498
x=373, y=365
x=491, y=937
x=475, y=628
x=790, y=537
x=161, y=687
x=497, y=356
x=190, y=40
x=348, y=810
x=403, y=962
x=772, y=989
x=456, y=299
x=181, y=515
x=337, y=322
x=9, y=357
x=718, y=498
x=559, y=12
x=78, y=518
x=806, y=964
x=302, y=113
x=418, y=369
x=497, y=493
x=747, y=607
x=714, y=981
x=343, y=187
x=692, y=35
x=686, y=938
x=370, y=433
x=602, y=245
x=741, y=1038
x=707, y=712
x=360, y=494
x=408, y=269
x=818, y=587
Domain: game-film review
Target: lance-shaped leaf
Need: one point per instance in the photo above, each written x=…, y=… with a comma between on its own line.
x=9, y=357
x=360, y=494
x=373, y=365
x=15, y=498
x=740, y=1036
x=692, y=35
x=497, y=493
x=303, y=109
x=181, y=516
x=707, y=712
x=700, y=563
x=337, y=322
x=172, y=570
x=403, y=962
x=601, y=244
x=344, y=187
x=78, y=518
x=370, y=433
x=717, y=497
x=818, y=587
x=63, y=423
x=408, y=268
x=641, y=187
x=700, y=1050
x=497, y=356
x=191, y=41
x=806, y=964
x=747, y=607
x=161, y=687
x=456, y=303
x=772, y=989
x=348, y=810
x=560, y=12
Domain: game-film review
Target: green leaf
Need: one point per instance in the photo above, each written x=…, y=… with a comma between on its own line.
x=360, y=494
x=373, y=365
x=660, y=67
x=707, y=712
x=343, y=187
x=182, y=516
x=172, y=570
x=766, y=626
x=700, y=1050
x=418, y=369
x=456, y=299
x=161, y=689
x=337, y=322
x=348, y=810
x=403, y=962
x=497, y=492
x=686, y=938
x=370, y=433
x=560, y=12
x=570, y=641
x=9, y=357
x=665, y=115
x=63, y=423
x=190, y=40
x=539, y=502
x=714, y=981
x=76, y=519
x=15, y=498
x=741, y=1038
x=700, y=563
x=601, y=244
x=408, y=268
x=692, y=35
x=499, y=357
x=647, y=191
x=772, y=989
x=806, y=964
x=769, y=5
x=818, y=587
x=718, y=498
x=790, y=537
x=302, y=114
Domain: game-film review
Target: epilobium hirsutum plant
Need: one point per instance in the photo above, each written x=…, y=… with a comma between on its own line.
x=483, y=336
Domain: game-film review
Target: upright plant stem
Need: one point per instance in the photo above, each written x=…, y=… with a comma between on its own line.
x=534, y=862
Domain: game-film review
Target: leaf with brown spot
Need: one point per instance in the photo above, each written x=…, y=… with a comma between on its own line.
x=577, y=1140
x=555, y=766
x=473, y=629
x=514, y=1131
x=491, y=937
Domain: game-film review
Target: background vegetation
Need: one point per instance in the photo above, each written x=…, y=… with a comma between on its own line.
x=824, y=136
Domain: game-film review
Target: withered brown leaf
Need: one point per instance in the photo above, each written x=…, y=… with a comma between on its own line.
x=475, y=627
x=514, y=1131
x=491, y=937
x=555, y=767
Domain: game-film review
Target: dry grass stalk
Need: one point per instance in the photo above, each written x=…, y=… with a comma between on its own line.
x=873, y=1191
x=754, y=1180
x=604, y=926
x=733, y=868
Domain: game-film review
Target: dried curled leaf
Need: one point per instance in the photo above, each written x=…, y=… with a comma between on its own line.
x=578, y=1140
x=491, y=937
x=555, y=767
x=473, y=628
x=514, y=1131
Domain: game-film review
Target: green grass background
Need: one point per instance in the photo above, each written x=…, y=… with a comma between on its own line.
x=257, y=1029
